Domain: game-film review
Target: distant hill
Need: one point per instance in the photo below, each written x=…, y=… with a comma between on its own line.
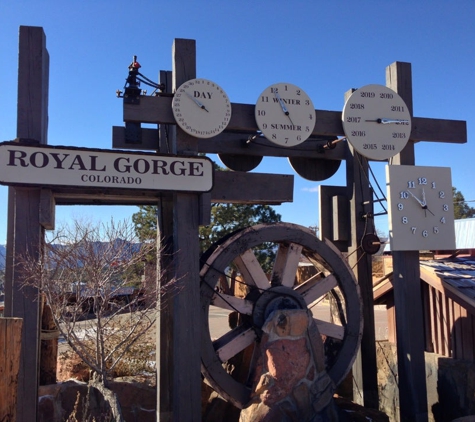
x=2, y=256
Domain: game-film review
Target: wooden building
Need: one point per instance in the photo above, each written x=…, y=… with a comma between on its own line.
x=448, y=296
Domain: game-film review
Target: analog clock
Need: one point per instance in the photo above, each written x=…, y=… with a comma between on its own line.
x=201, y=108
x=285, y=114
x=421, y=211
x=376, y=122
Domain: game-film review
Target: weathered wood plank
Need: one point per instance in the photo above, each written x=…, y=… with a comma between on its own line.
x=361, y=203
x=24, y=231
x=285, y=265
x=259, y=188
x=10, y=347
x=262, y=188
x=251, y=270
x=47, y=209
x=407, y=287
x=328, y=123
x=236, y=143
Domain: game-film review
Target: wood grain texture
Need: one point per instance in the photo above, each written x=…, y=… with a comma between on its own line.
x=24, y=232
x=407, y=288
x=10, y=347
x=328, y=123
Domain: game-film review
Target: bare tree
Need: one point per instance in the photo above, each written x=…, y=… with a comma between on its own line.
x=95, y=273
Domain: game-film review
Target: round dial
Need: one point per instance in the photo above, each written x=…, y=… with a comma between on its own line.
x=285, y=114
x=421, y=212
x=376, y=122
x=201, y=108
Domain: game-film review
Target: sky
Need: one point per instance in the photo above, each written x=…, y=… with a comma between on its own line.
x=324, y=47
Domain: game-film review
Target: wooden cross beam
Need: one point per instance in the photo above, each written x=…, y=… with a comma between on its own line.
x=158, y=110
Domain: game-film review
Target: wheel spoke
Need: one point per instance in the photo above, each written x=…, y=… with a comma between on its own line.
x=233, y=342
x=286, y=263
x=232, y=303
x=329, y=329
x=319, y=289
x=251, y=270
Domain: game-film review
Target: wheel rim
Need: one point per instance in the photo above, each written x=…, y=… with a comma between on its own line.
x=292, y=242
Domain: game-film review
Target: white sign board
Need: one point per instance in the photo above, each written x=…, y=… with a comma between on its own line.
x=61, y=166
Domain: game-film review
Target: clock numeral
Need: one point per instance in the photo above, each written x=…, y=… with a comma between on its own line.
x=425, y=233
x=307, y=102
x=400, y=207
x=442, y=220
x=422, y=181
x=265, y=99
x=445, y=207
x=413, y=230
x=404, y=195
x=411, y=184
x=274, y=90
x=274, y=136
x=433, y=185
x=441, y=194
x=261, y=112
x=310, y=116
x=436, y=230
x=404, y=220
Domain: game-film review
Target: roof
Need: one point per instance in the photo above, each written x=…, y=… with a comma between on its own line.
x=453, y=276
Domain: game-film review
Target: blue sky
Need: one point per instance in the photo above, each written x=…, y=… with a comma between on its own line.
x=325, y=47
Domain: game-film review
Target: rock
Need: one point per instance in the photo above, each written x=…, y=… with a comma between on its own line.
x=291, y=383
x=57, y=401
x=71, y=366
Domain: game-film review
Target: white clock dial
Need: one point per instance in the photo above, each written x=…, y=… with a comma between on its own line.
x=201, y=108
x=285, y=114
x=376, y=122
x=421, y=212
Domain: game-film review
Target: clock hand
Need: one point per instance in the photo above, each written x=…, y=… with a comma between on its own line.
x=389, y=121
x=284, y=108
x=422, y=204
x=198, y=103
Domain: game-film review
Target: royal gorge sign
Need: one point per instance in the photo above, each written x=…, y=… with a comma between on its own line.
x=22, y=164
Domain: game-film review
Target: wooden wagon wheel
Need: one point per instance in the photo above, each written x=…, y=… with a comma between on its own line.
x=294, y=244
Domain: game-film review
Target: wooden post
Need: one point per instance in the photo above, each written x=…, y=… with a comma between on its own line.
x=10, y=347
x=407, y=288
x=25, y=234
x=365, y=380
x=179, y=374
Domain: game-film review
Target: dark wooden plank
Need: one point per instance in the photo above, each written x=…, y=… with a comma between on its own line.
x=457, y=332
x=407, y=288
x=25, y=233
x=179, y=341
x=328, y=123
x=252, y=188
x=361, y=203
x=47, y=209
x=326, y=219
x=262, y=188
x=236, y=143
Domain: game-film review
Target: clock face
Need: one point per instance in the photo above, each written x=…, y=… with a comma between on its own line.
x=285, y=114
x=201, y=108
x=376, y=122
x=421, y=212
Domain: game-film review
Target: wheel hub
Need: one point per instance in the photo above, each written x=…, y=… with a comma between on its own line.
x=275, y=298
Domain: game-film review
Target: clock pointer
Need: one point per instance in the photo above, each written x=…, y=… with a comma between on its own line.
x=198, y=103
x=425, y=203
x=422, y=203
x=284, y=108
x=389, y=121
